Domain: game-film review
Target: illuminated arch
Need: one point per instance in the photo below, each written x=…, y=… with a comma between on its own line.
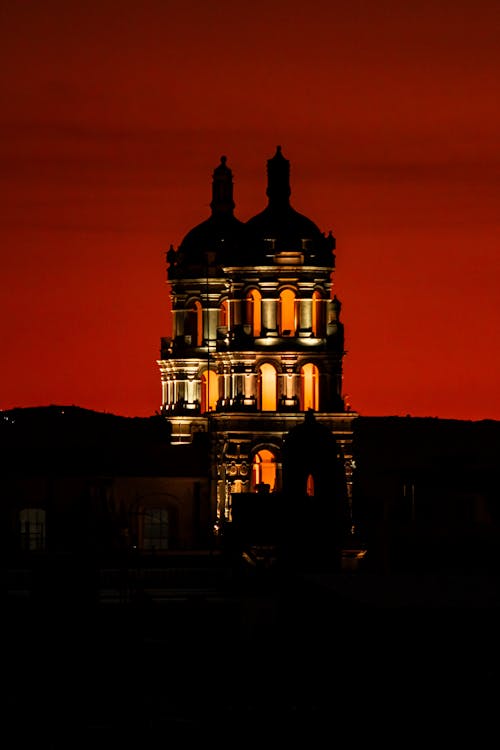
x=268, y=390
x=209, y=391
x=309, y=387
x=310, y=485
x=224, y=313
x=287, y=312
x=253, y=311
x=263, y=470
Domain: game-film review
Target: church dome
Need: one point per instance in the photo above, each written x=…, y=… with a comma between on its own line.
x=209, y=245
x=280, y=228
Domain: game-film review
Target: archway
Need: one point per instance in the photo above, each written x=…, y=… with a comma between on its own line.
x=264, y=470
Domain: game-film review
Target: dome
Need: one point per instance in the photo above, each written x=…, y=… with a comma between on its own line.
x=280, y=228
x=209, y=245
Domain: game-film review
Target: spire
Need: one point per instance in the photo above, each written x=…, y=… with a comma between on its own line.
x=278, y=179
x=222, y=189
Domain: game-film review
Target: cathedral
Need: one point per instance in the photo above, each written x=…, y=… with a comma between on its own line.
x=254, y=454
x=256, y=352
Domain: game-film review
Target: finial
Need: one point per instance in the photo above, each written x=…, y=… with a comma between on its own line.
x=222, y=189
x=278, y=179
x=330, y=241
x=279, y=153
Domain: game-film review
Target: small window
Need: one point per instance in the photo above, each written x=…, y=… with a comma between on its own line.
x=310, y=486
x=32, y=527
x=155, y=529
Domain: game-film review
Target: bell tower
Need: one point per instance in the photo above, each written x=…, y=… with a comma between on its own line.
x=257, y=338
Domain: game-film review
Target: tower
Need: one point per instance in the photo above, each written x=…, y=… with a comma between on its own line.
x=257, y=339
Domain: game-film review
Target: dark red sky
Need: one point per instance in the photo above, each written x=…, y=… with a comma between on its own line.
x=113, y=116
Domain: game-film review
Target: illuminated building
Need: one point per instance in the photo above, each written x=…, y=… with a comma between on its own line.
x=257, y=342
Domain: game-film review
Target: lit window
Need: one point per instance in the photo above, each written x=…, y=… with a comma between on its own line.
x=199, y=323
x=310, y=486
x=287, y=312
x=32, y=525
x=155, y=529
x=209, y=391
x=267, y=387
x=263, y=470
x=310, y=387
x=253, y=311
x=223, y=314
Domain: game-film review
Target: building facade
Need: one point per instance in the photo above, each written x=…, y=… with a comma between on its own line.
x=257, y=341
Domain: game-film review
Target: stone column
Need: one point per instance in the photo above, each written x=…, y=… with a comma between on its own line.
x=270, y=317
x=305, y=316
x=178, y=323
x=235, y=312
x=210, y=323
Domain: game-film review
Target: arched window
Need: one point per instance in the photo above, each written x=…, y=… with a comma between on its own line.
x=209, y=391
x=253, y=311
x=310, y=387
x=224, y=313
x=263, y=470
x=268, y=397
x=193, y=325
x=310, y=486
x=32, y=528
x=199, y=323
x=287, y=313
x=317, y=314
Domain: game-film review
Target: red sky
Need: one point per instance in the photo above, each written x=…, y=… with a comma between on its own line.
x=113, y=116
